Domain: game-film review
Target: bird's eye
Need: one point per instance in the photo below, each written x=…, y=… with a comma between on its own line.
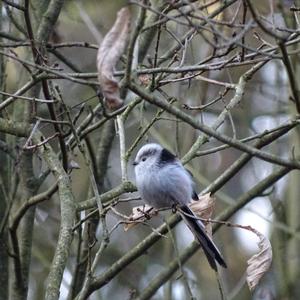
x=144, y=158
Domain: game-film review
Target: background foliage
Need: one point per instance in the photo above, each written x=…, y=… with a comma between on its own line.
x=216, y=82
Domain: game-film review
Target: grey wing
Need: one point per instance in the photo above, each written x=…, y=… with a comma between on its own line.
x=194, y=193
x=177, y=182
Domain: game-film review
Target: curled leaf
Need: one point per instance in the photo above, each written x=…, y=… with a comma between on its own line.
x=110, y=51
x=140, y=214
x=259, y=263
x=203, y=208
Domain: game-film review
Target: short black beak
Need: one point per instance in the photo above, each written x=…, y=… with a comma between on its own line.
x=135, y=163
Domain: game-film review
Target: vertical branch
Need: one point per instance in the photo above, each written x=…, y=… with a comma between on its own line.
x=45, y=29
x=68, y=215
x=131, y=46
x=103, y=151
x=290, y=285
x=291, y=75
x=48, y=20
x=81, y=278
x=121, y=133
x=244, y=22
x=147, y=37
x=21, y=239
x=5, y=175
x=24, y=235
x=105, y=239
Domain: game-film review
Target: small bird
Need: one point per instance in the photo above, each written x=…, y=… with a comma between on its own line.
x=163, y=182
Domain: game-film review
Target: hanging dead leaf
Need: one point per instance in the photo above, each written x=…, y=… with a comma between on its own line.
x=204, y=208
x=140, y=214
x=110, y=51
x=259, y=263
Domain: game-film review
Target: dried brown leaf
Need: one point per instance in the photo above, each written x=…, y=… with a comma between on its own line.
x=140, y=214
x=259, y=263
x=204, y=208
x=110, y=51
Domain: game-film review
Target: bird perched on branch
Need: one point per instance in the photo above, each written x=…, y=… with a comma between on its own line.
x=162, y=182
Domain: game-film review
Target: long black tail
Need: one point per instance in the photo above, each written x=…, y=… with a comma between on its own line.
x=197, y=227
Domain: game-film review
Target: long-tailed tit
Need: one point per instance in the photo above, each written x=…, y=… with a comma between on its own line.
x=163, y=182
